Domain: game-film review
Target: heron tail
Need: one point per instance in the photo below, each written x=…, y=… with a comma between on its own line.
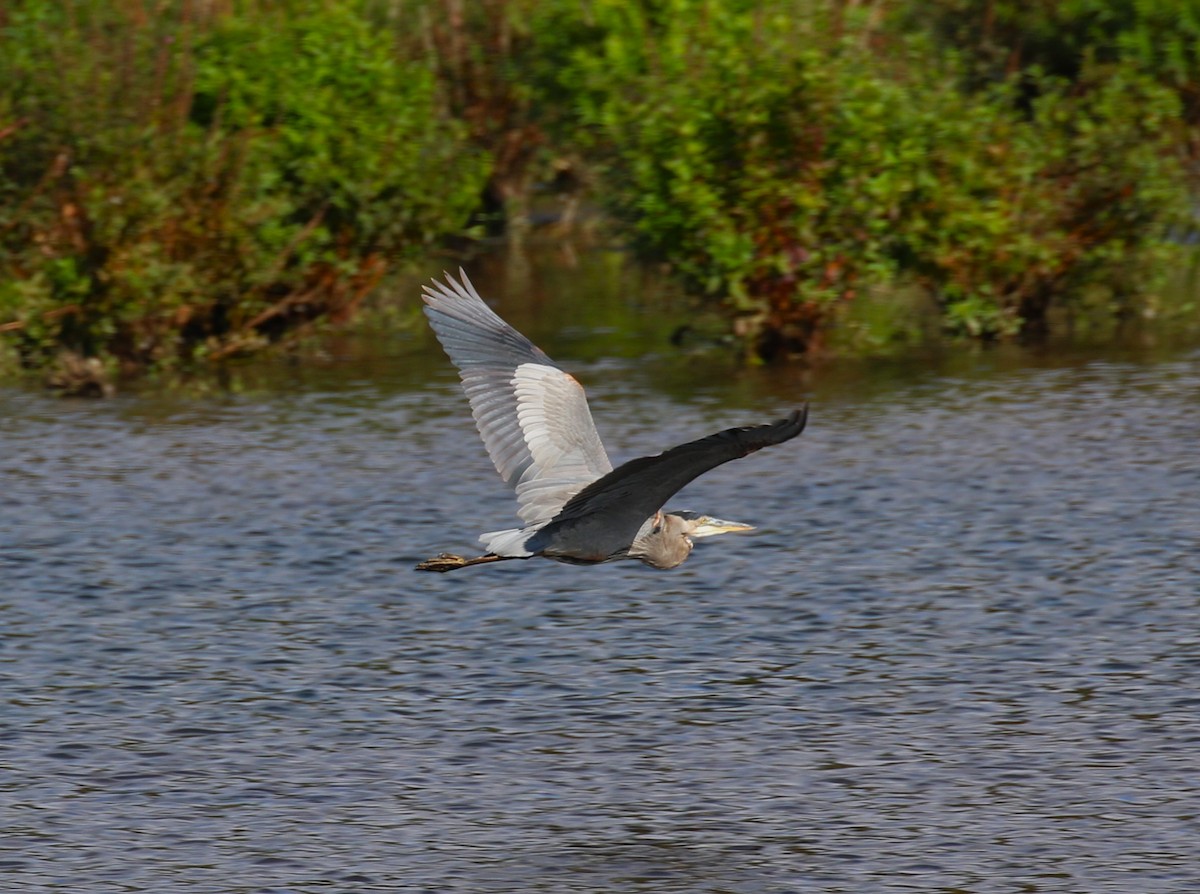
x=509, y=543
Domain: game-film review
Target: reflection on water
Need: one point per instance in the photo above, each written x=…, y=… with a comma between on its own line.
x=960, y=654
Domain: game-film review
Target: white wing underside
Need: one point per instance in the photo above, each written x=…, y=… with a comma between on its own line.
x=533, y=417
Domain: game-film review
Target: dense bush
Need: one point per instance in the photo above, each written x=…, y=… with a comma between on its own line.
x=172, y=187
x=1069, y=203
x=1063, y=38
x=782, y=162
x=176, y=185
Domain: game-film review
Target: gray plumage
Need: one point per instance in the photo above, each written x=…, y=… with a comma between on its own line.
x=535, y=422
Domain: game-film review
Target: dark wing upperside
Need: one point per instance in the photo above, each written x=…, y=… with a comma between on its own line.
x=605, y=516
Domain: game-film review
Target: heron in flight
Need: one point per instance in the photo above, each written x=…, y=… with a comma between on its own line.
x=538, y=430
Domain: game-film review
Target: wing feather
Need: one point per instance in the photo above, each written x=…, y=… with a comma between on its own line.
x=606, y=515
x=533, y=417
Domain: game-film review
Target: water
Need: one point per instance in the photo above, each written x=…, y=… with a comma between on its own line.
x=961, y=653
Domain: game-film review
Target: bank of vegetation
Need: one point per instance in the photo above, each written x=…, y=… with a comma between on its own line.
x=198, y=179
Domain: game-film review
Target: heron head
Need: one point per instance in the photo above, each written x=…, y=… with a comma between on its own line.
x=666, y=539
x=696, y=525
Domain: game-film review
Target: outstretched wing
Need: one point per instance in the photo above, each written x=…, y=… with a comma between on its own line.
x=607, y=514
x=533, y=417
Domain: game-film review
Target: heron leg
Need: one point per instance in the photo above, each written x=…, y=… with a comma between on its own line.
x=449, y=562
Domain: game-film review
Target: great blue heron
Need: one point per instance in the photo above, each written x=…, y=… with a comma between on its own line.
x=538, y=430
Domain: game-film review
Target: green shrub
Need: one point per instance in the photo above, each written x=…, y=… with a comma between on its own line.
x=783, y=165
x=180, y=185
x=1046, y=209
x=176, y=188
x=1062, y=38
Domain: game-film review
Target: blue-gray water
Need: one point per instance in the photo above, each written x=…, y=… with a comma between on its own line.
x=961, y=654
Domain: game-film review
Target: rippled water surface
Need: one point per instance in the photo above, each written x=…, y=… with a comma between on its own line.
x=961, y=653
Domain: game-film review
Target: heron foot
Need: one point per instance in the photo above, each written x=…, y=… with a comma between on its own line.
x=442, y=562
x=450, y=562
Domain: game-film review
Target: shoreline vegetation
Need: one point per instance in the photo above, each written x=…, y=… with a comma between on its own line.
x=184, y=182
